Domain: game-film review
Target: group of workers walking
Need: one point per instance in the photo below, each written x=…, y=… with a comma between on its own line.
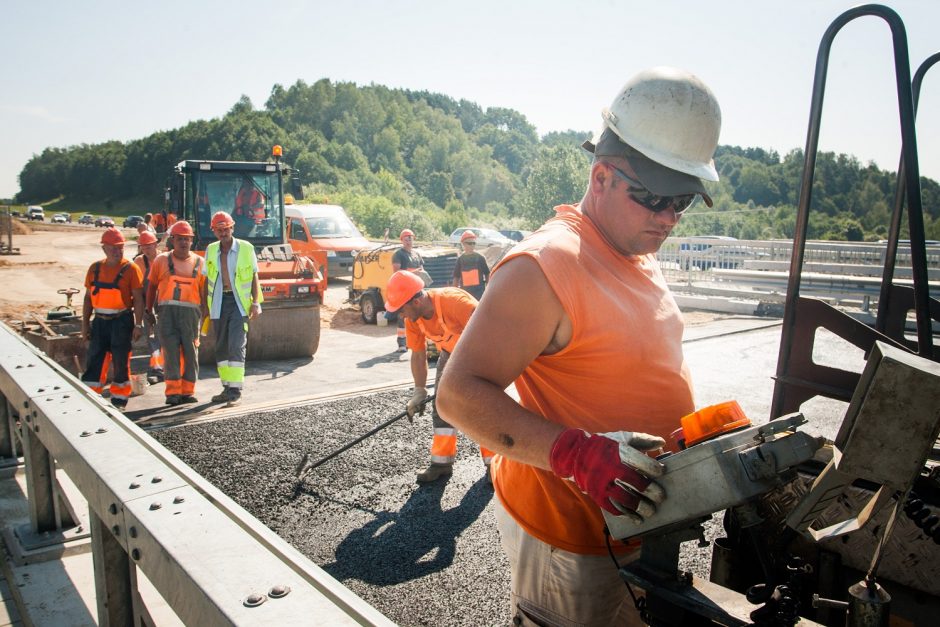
x=172, y=297
x=577, y=316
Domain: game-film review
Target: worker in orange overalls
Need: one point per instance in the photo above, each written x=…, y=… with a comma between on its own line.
x=175, y=286
x=147, y=253
x=439, y=315
x=114, y=294
x=249, y=204
x=159, y=222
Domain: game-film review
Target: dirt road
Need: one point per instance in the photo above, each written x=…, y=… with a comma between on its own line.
x=56, y=256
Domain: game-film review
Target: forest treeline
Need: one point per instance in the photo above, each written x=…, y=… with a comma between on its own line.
x=399, y=158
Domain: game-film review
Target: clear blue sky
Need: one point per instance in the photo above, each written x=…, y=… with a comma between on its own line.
x=88, y=72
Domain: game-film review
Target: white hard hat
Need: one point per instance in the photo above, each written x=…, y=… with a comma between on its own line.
x=671, y=117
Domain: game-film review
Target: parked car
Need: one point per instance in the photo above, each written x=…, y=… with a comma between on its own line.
x=131, y=222
x=485, y=237
x=36, y=213
x=514, y=235
x=61, y=218
x=104, y=221
x=87, y=219
x=325, y=228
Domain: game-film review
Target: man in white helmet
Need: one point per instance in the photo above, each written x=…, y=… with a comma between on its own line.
x=590, y=334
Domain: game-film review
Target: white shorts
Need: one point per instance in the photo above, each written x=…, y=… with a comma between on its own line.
x=556, y=588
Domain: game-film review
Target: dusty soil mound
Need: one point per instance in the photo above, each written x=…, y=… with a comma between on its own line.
x=344, y=318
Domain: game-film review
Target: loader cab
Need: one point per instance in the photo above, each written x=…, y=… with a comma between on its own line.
x=252, y=193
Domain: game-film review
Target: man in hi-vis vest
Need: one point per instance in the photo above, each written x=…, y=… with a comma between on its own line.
x=113, y=294
x=233, y=296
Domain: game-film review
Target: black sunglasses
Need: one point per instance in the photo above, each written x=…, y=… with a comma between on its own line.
x=651, y=201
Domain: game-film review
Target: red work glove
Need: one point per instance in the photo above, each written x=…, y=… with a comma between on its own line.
x=611, y=469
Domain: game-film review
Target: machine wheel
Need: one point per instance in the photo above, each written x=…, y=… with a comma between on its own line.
x=370, y=307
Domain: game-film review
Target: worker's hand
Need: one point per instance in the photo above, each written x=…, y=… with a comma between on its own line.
x=416, y=404
x=137, y=332
x=255, y=311
x=612, y=469
x=86, y=332
x=152, y=319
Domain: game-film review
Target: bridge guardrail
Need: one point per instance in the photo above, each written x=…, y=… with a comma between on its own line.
x=149, y=513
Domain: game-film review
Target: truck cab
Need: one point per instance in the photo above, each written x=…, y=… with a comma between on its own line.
x=326, y=228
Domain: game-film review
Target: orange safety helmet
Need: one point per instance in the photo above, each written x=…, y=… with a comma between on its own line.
x=146, y=238
x=182, y=228
x=468, y=235
x=112, y=237
x=221, y=218
x=402, y=287
x=406, y=232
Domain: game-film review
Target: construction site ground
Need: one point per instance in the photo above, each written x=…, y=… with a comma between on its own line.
x=420, y=554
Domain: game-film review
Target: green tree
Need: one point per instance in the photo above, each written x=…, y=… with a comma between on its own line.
x=558, y=176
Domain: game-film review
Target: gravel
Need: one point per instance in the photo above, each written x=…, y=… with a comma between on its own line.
x=421, y=555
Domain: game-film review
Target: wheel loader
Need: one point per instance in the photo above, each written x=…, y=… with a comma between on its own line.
x=292, y=285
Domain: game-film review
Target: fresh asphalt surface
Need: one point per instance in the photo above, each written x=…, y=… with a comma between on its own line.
x=422, y=555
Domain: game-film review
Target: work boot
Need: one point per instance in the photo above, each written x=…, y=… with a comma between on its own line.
x=234, y=396
x=119, y=404
x=174, y=399
x=402, y=349
x=221, y=397
x=188, y=398
x=154, y=377
x=434, y=472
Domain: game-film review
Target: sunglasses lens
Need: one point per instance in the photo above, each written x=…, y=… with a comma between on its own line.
x=660, y=203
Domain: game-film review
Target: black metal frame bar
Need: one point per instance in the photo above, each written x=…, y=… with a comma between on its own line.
x=798, y=379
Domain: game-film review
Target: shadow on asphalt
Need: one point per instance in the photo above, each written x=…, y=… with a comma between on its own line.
x=416, y=541
x=388, y=358
x=273, y=368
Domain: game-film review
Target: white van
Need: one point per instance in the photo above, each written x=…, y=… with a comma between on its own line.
x=36, y=213
x=326, y=228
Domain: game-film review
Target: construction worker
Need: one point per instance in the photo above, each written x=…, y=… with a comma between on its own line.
x=146, y=253
x=580, y=317
x=175, y=290
x=114, y=294
x=471, y=272
x=249, y=204
x=159, y=222
x=439, y=315
x=406, y=258
x=145, y=226
x=231, y=297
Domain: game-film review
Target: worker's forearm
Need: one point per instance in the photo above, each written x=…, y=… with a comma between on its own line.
x=495, y=420
x=138, y=306
x=86, y=312
x=419, y=368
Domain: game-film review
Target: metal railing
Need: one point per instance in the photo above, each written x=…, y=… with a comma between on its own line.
x=701, y=259
x=148, y=513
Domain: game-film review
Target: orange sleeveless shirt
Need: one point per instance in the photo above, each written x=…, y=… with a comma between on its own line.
x=623, y=370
